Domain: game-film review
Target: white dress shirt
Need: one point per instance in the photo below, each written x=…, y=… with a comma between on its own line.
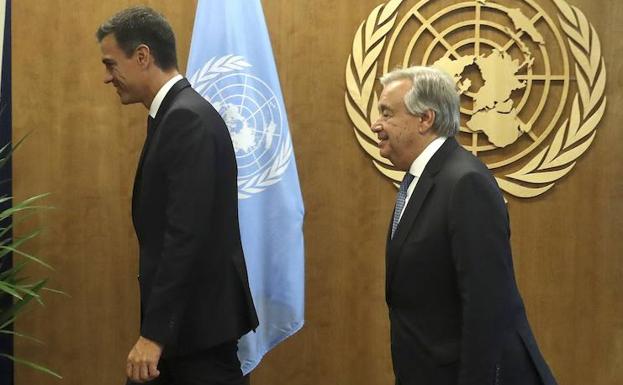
x=164, y=90
x=418, y=165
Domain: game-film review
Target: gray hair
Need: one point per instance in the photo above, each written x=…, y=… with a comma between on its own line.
x=432, y=89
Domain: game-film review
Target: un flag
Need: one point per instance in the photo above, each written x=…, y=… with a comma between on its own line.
x=231, y=64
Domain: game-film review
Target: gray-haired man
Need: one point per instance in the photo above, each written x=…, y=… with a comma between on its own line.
x=455, y=311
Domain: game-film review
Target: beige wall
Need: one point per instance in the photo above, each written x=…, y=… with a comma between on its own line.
x=84, y=148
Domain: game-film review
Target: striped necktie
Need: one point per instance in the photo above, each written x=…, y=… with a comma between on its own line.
x=400, y=200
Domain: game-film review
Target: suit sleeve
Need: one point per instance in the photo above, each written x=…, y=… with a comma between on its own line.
x=481, y=252
x=187, y=154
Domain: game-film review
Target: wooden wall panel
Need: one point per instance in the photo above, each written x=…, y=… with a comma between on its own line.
x=568, y=243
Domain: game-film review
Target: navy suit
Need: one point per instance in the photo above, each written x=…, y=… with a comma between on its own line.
x=193, y=280
x=456, y=314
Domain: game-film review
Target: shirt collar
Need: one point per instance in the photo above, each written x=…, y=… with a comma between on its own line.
x=417, y=167
x=155, y=104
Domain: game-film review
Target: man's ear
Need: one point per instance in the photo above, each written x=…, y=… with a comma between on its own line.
x=143, y=55
x=427, y=119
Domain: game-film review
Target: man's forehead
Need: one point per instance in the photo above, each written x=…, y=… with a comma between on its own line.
x=396, y=88
x=110, y=49
x=108, y=56
x=109, y=39
x=109, y=44
x=398, y=84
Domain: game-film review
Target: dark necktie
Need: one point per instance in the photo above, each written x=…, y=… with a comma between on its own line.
x=136, y=192
x=150, y=131
x=400, y=200
x=150, y=124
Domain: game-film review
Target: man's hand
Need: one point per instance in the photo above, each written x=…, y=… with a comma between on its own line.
x=143, y=360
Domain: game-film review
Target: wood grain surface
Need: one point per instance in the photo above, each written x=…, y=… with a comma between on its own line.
x=84, y=145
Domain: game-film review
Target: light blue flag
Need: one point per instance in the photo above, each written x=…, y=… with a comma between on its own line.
x=231, y=64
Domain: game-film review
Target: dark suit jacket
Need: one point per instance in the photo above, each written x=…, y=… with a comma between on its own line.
x=193, y=280
x=455, y=311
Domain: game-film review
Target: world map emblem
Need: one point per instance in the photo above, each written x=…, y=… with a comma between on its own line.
x=254, y=118
x=532, y=85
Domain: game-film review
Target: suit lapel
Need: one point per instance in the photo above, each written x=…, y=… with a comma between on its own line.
x=164, y=106
x=424, y=186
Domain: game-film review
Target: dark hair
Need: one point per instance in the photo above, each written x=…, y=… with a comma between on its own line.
x=142, y=25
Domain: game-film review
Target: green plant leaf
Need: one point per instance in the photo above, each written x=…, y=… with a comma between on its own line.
x=10, y=289
x=23, y=254
x=56, y=291
x=12, y=272
x=17, y=242
x=24, y=205
x=7, y=323
x=10, y=149
x=15, y=221
x=20, y=335
x=32, y=365
x=19, y=208
x=5, y=199
x=12, y=311
x=26, y=289
x=15, y=288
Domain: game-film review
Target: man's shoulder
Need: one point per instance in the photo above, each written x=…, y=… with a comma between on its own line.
x=191, y=102
x=461, y=164
x=187, y=96
x=188, y=109
x=462, y=161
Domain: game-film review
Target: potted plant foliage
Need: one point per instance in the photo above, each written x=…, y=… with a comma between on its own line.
x=17, y=290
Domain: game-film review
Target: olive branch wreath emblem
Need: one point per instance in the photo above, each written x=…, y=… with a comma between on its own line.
x=554, y=161
x=207, y=75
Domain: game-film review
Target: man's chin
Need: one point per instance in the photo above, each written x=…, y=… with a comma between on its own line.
x=126, y=100
x=388, y=155
x=384, y=153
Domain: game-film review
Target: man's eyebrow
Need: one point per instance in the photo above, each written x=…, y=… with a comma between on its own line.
x=108, y=61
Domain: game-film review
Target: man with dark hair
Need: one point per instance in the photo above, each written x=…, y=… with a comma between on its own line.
x=195, y=297
x=140, y=25
x=456, y=315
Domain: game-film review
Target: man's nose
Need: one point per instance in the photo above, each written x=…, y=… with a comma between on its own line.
x=107, y=78
x=375, y=127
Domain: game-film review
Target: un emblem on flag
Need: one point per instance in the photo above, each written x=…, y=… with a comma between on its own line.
x=254, y=118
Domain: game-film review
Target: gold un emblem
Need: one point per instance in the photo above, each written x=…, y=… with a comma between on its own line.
x=511, y=66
